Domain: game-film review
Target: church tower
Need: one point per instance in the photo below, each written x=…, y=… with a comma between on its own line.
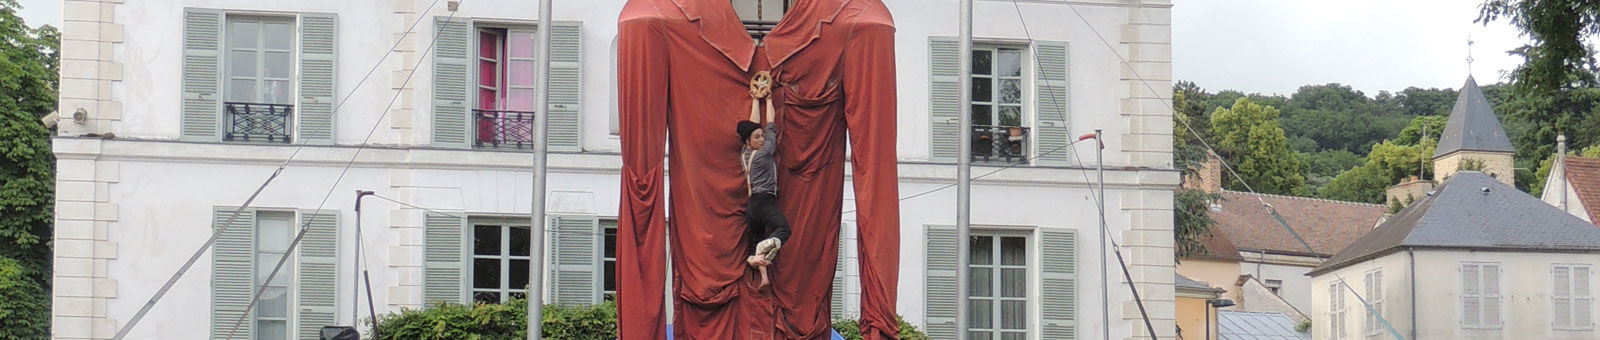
x=1473, y=140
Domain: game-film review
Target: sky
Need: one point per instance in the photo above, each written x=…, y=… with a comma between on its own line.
x=1276, y=46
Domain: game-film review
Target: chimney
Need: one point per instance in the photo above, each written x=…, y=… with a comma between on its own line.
x=1561, y=162
x=1207, y=176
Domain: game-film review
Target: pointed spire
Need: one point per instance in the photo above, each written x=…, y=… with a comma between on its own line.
x=1473, y=125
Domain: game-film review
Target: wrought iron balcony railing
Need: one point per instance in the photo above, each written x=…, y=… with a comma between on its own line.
x=255, y=122
x=1008, y=144
x=504, y=129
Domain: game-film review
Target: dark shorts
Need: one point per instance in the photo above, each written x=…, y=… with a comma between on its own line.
x=765, y=221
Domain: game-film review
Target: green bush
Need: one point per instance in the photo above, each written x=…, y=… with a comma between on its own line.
x=850, y=330
x=24, y=306
x=501, y=321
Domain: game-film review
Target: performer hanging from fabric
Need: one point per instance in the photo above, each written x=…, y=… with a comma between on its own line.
x=768, y=228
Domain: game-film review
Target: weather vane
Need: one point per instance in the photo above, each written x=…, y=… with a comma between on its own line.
x=1469, y=54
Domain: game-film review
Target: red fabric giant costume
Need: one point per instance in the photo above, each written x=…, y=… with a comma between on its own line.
x=684, y=67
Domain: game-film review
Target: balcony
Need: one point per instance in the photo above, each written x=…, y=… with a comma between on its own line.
x=1000, y=144
x=255, y=122
x=504, y=129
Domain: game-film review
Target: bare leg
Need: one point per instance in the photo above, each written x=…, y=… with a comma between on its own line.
x=760, y=263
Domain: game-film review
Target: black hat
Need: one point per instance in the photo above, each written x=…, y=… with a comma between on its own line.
x=746, y=128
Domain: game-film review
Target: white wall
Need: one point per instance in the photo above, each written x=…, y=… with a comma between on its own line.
x=1525, y=286
x=1396, y=297
x=161, y=205
x=1296, y=287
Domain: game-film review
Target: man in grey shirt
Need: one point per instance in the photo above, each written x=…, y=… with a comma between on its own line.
x=767, y=228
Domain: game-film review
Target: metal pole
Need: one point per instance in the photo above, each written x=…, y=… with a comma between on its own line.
x=1561, y=161
x=964, y=171
x=1105, y=276
x=1208, y=319
x=542, y=122
x=355, y=267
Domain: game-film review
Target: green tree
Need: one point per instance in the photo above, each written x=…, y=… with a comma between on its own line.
x=1249, y=136
x=28, y=76
x=1386, y=165
x=20, y=299
x=1192, y=220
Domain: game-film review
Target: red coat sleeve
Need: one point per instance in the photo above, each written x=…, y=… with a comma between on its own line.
x=642, y=111
x=869, y=85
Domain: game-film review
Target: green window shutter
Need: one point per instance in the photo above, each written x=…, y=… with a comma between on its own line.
x=319, y=252
x=839, y=273
x=944, y=99
x=232, y=272
x=202, y=75
x=566, y=87
x=939, y=286
x=318, y=41
x=574, y=259
x=1058, y=254
x=1052, y=104
x=444, y=278
x=452, y=86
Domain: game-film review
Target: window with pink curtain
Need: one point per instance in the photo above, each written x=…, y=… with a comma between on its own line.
x=505, y=86
x=490, y=70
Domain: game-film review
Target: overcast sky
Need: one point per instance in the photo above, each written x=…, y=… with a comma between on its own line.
x=1276, y=46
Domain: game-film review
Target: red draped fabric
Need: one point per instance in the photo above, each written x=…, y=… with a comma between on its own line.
x=683, y=71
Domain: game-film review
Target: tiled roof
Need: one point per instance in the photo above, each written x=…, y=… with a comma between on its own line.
x=1239, y=325
x=1584, y=174
x=1326, y=225
x=1474, y=211
x=1184, y=283
x=1472, y=125
x=1217, y=247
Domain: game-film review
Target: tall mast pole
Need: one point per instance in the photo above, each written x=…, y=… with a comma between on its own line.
x=540, y=154
x=964, y=171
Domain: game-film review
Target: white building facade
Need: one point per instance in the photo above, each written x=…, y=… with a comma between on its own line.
x=187, y=106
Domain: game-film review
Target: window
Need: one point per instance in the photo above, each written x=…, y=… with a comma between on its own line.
x=998, y=276
x=259, y=78
x=500, y=249
x=608, y=287
x=1336, y=311
x=1570, y=300
x=1480, y=295
x=1374, y=296
x=505, y=88
x=997, y=106
x=1274, y=286
x=274, y=230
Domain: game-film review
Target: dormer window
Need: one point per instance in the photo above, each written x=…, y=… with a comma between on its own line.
x=760, y=16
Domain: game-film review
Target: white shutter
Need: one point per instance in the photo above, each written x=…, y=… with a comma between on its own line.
x=944, y=99
x=566, y=87
x=1582, y=303
x=574, y=259
x=1471, y=307
x=318, y=50
x=202, y=75
x=317, y=277
x=1051, y=103
x=444, y=277
x=1058, y=300
x=1491, y=292
x=232, y=271
x=939, y=283
x=452, y=87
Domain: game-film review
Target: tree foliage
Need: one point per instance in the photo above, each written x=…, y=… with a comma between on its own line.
x=21, y=300
x=27, y=92
x=1249, y=135
x=1387, y=164
x=1192, y=220
x=500, y=321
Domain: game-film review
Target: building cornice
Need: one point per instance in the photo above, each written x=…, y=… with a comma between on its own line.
x=431, y=158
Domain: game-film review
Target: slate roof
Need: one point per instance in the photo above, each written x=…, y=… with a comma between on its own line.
x=1461, y=214
x=1584, y=176
x=1185, y=283
x=1240, y=325
x=1326, y=225
x=1473, y=125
